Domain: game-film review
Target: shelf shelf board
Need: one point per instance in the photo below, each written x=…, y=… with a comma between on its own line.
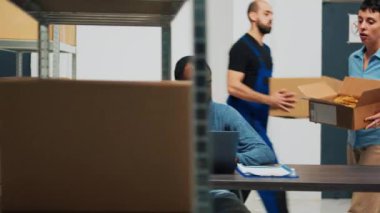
x=32, y=46
x=102, y=12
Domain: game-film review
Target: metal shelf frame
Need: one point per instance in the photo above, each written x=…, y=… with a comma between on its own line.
x=154, y=13
x=139, y=13
x=19, y=47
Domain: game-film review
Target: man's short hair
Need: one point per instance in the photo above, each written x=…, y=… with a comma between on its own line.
x=181, y=64
x=372, y=5
x=253, y=7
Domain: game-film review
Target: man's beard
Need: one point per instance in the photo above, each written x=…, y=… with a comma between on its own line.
x=263, y=29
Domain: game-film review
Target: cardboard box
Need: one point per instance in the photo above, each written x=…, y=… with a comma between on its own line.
x=90, y=146
x=301, y=109
x=323, y=109
x=68, y=34
x=17, y=25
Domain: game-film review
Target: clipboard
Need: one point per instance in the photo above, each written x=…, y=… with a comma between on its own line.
x=272, y=171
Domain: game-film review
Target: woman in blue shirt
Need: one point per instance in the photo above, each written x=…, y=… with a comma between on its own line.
x=364, y=145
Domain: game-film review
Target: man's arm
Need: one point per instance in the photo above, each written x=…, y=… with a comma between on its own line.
x=281, y=99
x=252, y=150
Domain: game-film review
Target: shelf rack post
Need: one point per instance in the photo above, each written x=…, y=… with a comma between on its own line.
x=19, y=56
x=43, y=50
x=166, y=51
x=56, y=51
x=200, y=111
x=73, y=66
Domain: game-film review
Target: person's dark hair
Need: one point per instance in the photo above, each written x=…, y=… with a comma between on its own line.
x=180, y=66
x=253, y=7
x=372, y=5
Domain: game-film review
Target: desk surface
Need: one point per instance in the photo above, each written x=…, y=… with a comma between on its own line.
x=311, y=178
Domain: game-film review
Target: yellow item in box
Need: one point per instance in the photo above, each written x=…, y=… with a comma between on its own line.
x=346, y=100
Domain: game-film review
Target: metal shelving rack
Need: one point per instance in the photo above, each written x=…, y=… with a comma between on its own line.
x=20, y=42
x=156, y=13
x=19, y=47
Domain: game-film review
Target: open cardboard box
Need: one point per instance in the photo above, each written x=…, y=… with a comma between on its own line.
x=322, y=108
x=301, y=109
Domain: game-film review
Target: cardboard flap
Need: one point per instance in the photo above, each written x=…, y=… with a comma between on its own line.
x=335, y=84
x=317, y=90
x=369, y=97
x=356, y=86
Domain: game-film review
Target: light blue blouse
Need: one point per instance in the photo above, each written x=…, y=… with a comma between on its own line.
x=364, y=138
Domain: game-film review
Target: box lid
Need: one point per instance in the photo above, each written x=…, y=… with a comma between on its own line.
x=334, y=83
x=356, y=86
x=317, y=90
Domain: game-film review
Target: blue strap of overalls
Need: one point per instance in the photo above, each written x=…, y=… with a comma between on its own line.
x=261, y=84
x=259, y=119
x=255, y=113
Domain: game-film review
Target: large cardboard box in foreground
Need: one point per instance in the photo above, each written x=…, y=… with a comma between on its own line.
x=90, y=146
x=301, y=109
x=323, y=109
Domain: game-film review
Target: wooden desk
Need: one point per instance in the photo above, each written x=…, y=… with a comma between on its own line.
x=311, y=178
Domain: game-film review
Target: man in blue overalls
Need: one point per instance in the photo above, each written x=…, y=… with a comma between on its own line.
x=250, y=67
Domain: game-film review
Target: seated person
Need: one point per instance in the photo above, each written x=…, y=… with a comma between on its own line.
x=251, y=150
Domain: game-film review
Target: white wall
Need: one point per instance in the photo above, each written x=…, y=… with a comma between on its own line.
x=219, y=39
x=297, y=52
x=182, y=34
x=131, y=53
x=118, y=53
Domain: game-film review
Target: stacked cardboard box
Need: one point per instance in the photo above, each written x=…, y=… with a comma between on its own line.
x=90, y=146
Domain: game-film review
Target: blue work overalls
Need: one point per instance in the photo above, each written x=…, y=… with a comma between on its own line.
x=257, y=115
